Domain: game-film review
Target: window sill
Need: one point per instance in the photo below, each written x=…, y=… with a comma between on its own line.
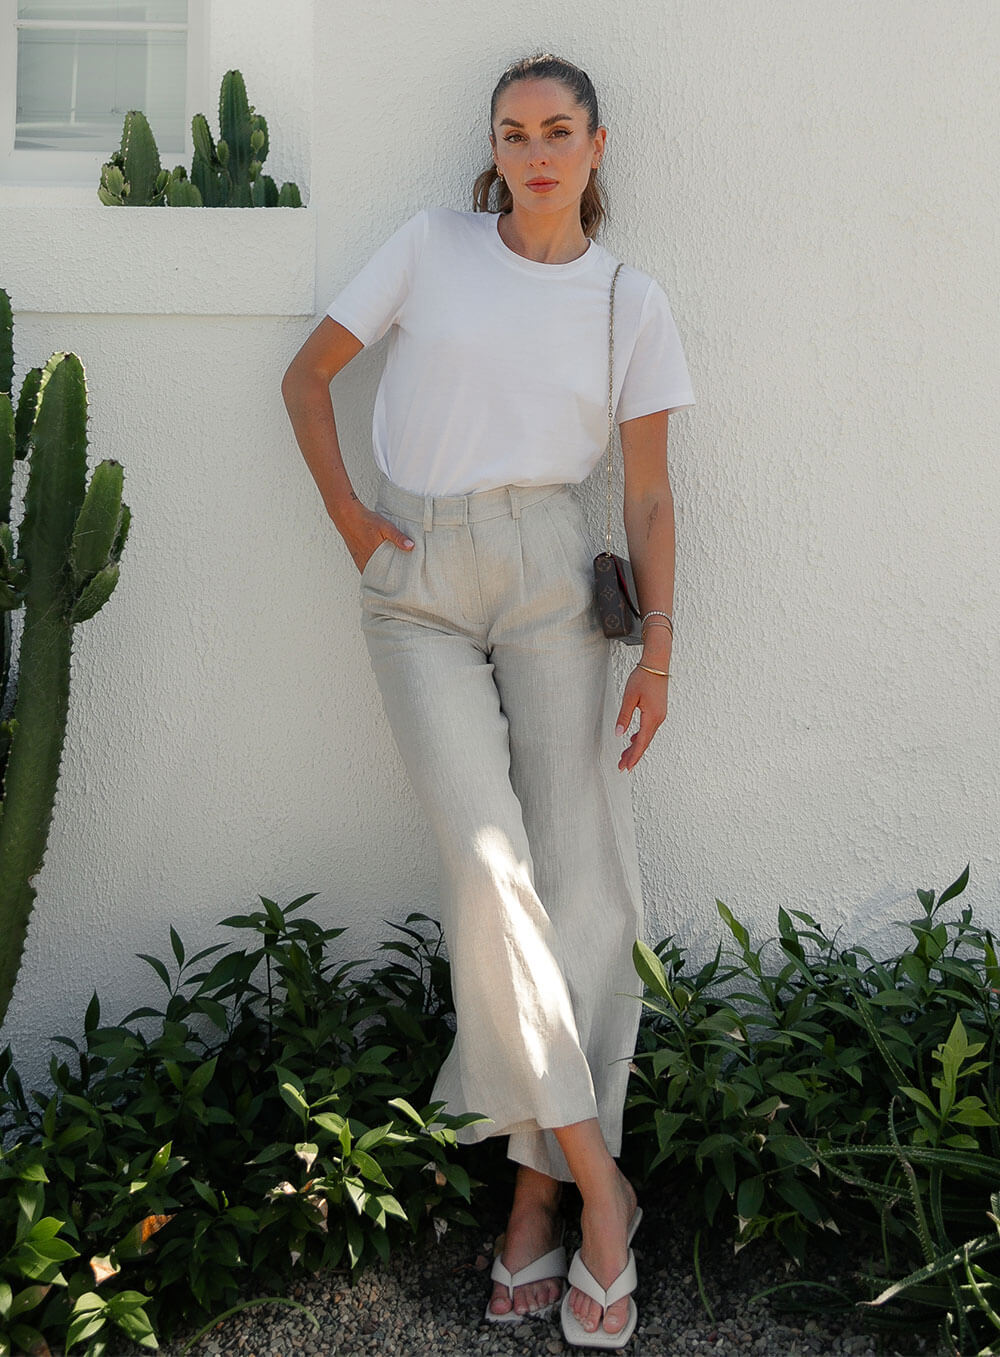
x=193, y=261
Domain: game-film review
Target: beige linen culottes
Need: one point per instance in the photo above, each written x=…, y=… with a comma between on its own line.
x=494, y=673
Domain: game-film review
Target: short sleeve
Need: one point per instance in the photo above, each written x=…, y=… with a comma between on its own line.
x=373, y=299
x=657, y=376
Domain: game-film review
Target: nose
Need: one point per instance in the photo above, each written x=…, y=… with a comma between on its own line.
x=538, y=156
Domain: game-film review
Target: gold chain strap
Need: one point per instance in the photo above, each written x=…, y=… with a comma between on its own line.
x=611, y=394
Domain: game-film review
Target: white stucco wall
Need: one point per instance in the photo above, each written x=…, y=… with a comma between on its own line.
x=813, y=181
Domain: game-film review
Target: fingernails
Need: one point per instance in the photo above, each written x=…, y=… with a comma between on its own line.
x=407, y=543
x=619, y=729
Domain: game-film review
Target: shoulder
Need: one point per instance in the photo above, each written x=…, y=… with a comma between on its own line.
x=634, y=287
x=449, y=223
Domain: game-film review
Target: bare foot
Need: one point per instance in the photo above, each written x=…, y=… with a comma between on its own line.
x=605, y=1223
x=532, y=1231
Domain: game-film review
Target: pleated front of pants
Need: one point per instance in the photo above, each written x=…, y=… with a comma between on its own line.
x=494, y=674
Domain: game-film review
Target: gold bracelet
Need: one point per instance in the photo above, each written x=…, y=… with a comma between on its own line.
x=662, y=673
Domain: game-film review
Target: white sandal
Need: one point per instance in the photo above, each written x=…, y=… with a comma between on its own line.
x=623, y=1285
x=551, y=1264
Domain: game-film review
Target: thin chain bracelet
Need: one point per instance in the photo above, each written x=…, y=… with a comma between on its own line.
x=662, y=673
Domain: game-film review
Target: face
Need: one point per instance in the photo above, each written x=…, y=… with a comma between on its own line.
x=541, y=145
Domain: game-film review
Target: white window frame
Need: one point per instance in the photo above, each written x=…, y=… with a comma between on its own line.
x=71, y=168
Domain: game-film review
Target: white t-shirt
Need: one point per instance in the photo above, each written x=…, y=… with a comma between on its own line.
x=497, y=370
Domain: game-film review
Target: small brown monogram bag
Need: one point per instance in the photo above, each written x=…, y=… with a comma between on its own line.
x=614, y=585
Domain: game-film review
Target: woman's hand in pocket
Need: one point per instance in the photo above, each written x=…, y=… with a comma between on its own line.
x=366, y=531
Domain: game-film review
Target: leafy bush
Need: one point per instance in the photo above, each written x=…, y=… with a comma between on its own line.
x=274, y=1113
x=271, y=1112
x=812, y=1087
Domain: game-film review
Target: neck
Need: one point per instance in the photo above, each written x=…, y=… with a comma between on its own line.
x=555, y=238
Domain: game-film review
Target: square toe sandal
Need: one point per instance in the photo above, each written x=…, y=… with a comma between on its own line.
x=623, y=1285
x=551, y=1264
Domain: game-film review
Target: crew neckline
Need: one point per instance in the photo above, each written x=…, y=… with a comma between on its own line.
x=535, y=266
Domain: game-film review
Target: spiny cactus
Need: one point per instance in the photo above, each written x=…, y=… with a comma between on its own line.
x=68, y=549
x=132, y=177
x=226, y=173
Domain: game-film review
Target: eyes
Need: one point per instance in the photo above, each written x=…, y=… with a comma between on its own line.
x=556, y=132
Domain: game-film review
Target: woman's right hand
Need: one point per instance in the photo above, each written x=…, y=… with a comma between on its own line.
x=364, y=532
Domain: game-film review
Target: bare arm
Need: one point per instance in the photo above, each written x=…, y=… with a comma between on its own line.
x=306, y=392
x=649, y=526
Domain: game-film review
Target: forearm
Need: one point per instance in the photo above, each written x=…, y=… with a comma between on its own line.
x=307, y=400
x=649, y=526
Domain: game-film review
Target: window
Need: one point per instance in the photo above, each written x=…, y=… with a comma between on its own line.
x=70, y=72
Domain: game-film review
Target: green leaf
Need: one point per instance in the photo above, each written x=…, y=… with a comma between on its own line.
x=408, y=1110
x=918, y=1097
x=88, y=1319
x=735, y=927
x=374, y=1137
x=201, y=1078
x=368, y=1167
x=459, y=1179
x=649, y=968
x=157, y=966
x=956, y=887
x=788, y=1083
x=750, y=1197
x=798, y=1198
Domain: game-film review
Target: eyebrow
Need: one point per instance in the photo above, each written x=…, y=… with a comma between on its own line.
x=546, y=122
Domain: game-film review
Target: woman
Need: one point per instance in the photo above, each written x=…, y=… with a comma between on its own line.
x=476, y=586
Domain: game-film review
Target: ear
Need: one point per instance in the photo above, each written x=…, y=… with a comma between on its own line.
x=600, y=145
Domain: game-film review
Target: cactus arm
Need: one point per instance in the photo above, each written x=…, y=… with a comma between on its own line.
x=265, y=192
x=259, y=139
x=206, y=170
x=27, y=408
x=141, y=160
x=96, y=526
x=6, y=344
x=289, y=196
x=52, y=501
x=183, y=193
x=112, y=189
x=95, y=594
x=123, y=527
x=8, y=445
x=236, y=130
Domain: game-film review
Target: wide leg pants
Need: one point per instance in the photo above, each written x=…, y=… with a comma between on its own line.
x=494, y=673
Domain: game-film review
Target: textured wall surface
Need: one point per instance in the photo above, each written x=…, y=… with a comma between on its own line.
x=813, y=181
x=189, y=262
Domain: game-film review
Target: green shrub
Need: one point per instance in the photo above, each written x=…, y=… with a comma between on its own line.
x=272, y=1113
x=804, y=1086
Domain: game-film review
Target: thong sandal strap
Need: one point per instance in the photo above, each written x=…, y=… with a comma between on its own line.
x=551, y=1264
x=623, y=1285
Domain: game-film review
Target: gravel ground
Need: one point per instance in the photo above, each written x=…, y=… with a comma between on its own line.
x=430, y=1303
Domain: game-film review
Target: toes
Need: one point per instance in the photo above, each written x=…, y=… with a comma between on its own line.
x=616, y=1315
x=500, y=1303
x=586, y=1311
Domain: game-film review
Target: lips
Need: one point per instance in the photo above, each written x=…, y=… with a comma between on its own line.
x=539, y=184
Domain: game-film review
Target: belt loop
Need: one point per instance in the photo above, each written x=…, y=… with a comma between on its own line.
x=515, y=501
x=428, y=512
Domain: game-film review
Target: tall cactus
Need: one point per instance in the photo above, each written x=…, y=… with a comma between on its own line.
x=229, y=173
x=69, y=544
